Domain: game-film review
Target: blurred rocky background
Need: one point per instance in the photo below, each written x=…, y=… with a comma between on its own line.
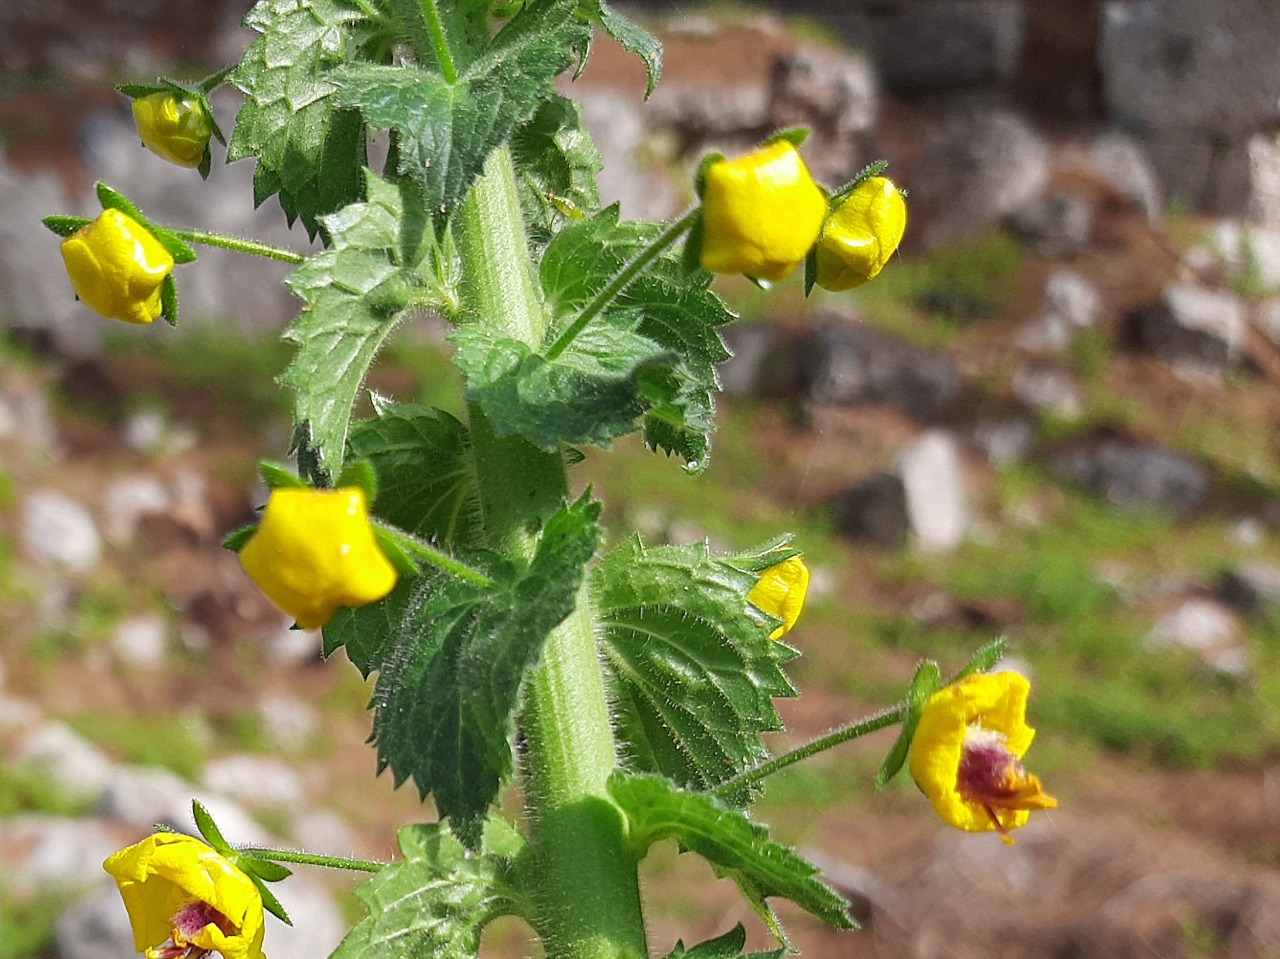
x=1053, y=417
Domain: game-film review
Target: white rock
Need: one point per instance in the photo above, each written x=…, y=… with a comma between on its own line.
x=289, y=646
x=1005, y=441
x=141, y=640
x=933, y=479
x=141, y=796
x=317, y=927
x=74, y=764
x=1206, y=628
x=255, y=780
x=17, y=713
x=58, y=531
x=1048, y=390
x=323, y=831
x=1122, y=162
x=1263, y=205
x=54, y=851
x=1069, y=295
x=96, y=928
x=144, y=431
x=126, y=501
x=289, y=724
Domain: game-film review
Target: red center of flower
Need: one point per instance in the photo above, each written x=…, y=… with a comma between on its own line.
x=187, y=923
x=993, y=778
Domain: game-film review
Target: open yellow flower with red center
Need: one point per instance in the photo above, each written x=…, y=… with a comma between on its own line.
x=966, y=754
x=174, y=128
x=117, y=267
x=315, y=552
x=186, y=900
x=762, y=213
x=780, y=592
x=860, y=235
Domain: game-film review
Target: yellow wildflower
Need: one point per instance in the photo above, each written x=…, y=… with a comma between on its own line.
x=761, y=213
x=315, y=552
x=174, y=128
x=117, y=267
x=860, y=235
x=186, y=900
x=967, y=750
x=780, y=592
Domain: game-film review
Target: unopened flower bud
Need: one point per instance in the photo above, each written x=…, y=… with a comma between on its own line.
x=860, y=235
x=173, y=127
x=117, y=267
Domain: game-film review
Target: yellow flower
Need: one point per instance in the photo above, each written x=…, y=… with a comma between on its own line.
x=966, y=754
x=761, y=213
x=184, y=899
x=780, y=593
x=315, y=552
x=174, y=128
x=117, y=267
x=860, y=235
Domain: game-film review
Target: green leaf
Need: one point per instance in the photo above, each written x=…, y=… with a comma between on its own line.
x=426, y=477
x=728, y=946
x=451, y=674
x=359, y=472
x=630, y=36
x=354, y=292
x=465, y=24
x=557, y=165
x=926, y=681
x=676, y=310
x=693, y=670
x=593, y=392
x=726, y=838
x=309, y=151
x=208, y=828
x=447, y=130
x=366, y=631
x=436, y=901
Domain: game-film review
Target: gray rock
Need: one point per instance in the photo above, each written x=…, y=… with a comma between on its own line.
x=30, y=419
x=96, y=928
x=933, y=480
x=1059, y=223
x=1121, y=161
x=1069, y=295
x=289, y=646
x=317, y=927
x=1253, y=588
x=70, y=761
x=618, y=128
x=126, y=501
x=1048, y=389
x=150, y=433
x=1004, y=441
x=1263, y=203
x=17, y=713
x=944, y=45
x=323, y=831
x=1250, y=253
x=1206, y=628
x=1268, y=320
x=1133, y=476
x=980, y=167
x=850, y=365
x=54, y=851
x=875, y=510
x=837, y=91
x=1195, y=328
x=1163, y=64
x=254, y=780
x=140, y=796
x=289, y=724
x=58, y=531
x=141, y=640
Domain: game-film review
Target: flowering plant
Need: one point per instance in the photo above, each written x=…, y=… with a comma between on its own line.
x=455, y=559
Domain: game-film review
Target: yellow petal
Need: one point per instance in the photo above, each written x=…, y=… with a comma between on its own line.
x=780, y=592
x=172, y=127
x=315, y=553
x=117, y=267
x=860, y=235
x=762, y=213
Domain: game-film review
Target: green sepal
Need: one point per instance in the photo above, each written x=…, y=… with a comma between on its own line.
x=209, y=829
x=865, y=174
x=705, y=164
x=265, y=869
x=235, y=540
x=391, y=542
x=811, y=268
x=793, y=135
x=984, y=659
x=765, y=556
x=169, y=299
x=691, y=253
x=65, y=226
x=269, y=900
x=206, y=163
x=113, y=199
x=926, y=681
x=275, y=476
x=360, y=473
x=136, y=91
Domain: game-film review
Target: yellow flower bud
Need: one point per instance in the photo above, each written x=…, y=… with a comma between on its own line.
x=174, y=128
x=185, y=899
x=781, y=592
x=761, y=213
x=315, y=552
x=860, y=235
x=967, y=750
x=117, y=267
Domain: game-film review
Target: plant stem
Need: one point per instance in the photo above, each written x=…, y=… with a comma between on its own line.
x=428, y=553
x=862, y=727
x=309, y=859
x=439, y=42
x=629, y=272
x=239, y=244
x=588, y=892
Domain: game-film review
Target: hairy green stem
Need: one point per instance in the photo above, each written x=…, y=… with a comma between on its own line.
x=428, y=553
x=310, y=859
x=630, y=270
x=238, y=244
x=877, y=721
x=439, y=42
x=588, y=892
